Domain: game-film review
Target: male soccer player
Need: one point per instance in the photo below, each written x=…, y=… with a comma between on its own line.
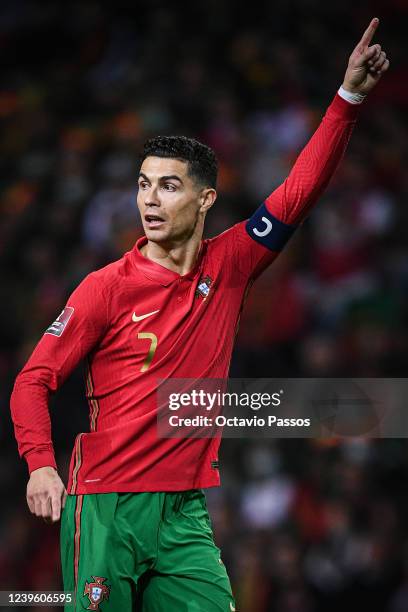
x=135, y=531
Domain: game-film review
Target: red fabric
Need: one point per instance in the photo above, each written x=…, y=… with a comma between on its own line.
x=292, y=201
x=122, y=451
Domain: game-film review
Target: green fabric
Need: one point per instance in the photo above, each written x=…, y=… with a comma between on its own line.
x=154, y=551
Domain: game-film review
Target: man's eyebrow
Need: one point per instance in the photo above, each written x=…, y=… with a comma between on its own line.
x=171, y=177
x=162, y=178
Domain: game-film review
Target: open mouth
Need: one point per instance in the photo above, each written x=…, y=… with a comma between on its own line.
x=153, y=220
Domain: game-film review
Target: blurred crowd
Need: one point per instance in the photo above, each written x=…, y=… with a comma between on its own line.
x=304, y=526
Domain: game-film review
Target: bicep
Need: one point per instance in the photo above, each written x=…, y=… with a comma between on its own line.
x=258, y=241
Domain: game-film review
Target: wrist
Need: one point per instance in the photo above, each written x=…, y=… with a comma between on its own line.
x=45, y=469
x=354, y=97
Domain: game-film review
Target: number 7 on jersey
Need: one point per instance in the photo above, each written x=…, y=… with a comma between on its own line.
x=152, y=348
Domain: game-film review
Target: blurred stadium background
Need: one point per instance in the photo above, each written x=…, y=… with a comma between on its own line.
x=304, y=526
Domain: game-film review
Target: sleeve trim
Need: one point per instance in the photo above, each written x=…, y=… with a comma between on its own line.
x=37, y=459
x=343, y=109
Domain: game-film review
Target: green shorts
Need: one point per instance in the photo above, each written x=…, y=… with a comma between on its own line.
x=142, y=552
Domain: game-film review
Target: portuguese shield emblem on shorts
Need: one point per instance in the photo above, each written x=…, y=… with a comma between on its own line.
x=97, y=592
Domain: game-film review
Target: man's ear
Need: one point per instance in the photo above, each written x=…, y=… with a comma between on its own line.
x=207, y=199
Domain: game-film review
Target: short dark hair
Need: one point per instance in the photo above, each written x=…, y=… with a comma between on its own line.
x=201, y=160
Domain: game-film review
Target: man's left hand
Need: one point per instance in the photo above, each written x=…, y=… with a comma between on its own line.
x=367, y=63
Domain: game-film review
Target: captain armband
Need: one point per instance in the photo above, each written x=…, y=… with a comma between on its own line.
x=266, y=229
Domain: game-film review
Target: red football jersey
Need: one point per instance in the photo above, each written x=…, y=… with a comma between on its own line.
x=135, y=322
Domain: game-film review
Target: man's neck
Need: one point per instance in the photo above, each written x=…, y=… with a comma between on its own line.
x=179, y=258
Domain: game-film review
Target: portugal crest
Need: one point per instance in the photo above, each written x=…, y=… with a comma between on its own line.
x=203, y=287
x=97, y=592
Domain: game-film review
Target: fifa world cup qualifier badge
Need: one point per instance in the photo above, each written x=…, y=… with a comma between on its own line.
x=57, y=328
x=97, y=592
x=203, y=287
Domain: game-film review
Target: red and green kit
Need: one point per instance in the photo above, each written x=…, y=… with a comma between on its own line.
x=134, y=323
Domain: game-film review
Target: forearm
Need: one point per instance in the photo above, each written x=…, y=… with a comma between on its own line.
x=32, y=424
x=316, y=164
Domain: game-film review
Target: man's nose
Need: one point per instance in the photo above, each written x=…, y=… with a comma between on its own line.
x=152, y=197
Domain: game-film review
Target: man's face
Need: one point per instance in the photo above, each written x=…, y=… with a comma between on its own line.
x=168, y=199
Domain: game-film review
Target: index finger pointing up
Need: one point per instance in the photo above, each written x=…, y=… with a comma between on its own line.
x=369, y=33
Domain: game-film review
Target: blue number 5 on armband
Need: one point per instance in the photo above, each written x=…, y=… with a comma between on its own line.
x=267, y=230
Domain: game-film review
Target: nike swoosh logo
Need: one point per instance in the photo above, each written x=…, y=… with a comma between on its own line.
x=232, y=608
x=135, y=318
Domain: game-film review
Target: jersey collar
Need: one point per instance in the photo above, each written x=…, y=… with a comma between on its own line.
x=158, y=273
